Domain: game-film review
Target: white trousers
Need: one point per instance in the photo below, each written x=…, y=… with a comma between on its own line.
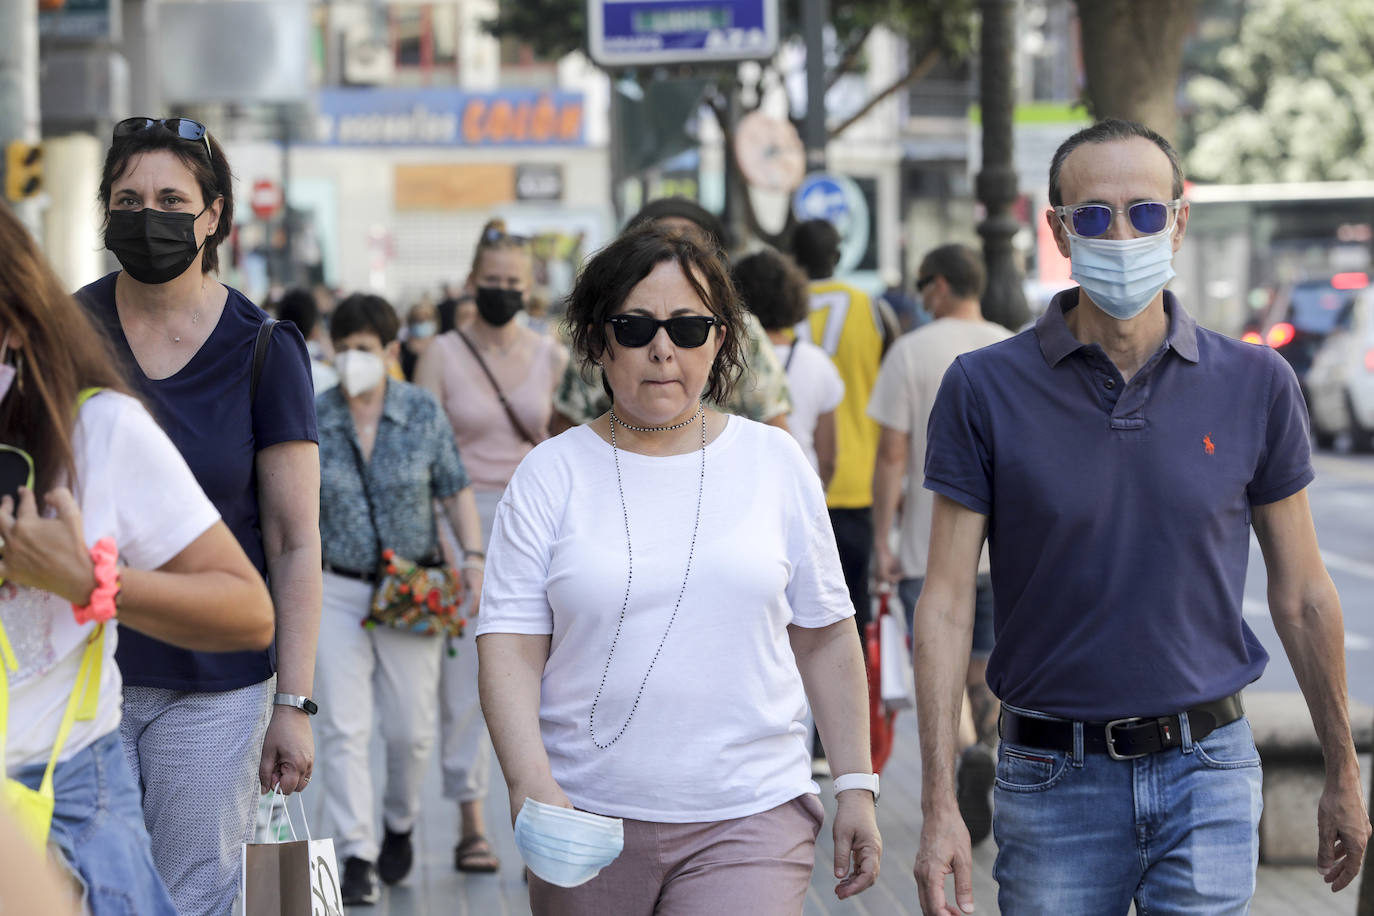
x=358, y=671
x=466, y=745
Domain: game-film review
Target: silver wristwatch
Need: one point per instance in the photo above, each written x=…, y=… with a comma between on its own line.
x=305, y=704
x=867, y=781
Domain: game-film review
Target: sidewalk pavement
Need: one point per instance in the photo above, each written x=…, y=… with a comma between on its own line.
x=435, y=889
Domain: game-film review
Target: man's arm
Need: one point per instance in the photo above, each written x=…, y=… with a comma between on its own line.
x=826, y=443
x=943, y=638
x=893, y=450
x=1307, y=615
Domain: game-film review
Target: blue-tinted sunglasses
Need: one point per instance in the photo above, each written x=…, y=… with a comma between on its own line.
x=1148, y=217
x=184, y=128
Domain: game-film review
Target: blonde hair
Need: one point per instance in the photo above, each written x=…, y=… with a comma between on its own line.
x=494, y=237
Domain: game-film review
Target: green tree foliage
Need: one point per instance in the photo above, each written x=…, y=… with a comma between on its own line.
x=1289, y=98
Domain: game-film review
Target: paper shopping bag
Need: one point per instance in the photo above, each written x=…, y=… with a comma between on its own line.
x=898, y=679
x=296, y=878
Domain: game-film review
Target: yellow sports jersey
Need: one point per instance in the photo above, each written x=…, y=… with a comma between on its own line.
x=845, y=324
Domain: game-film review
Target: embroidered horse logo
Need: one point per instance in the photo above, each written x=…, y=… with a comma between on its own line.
x=1207, y=445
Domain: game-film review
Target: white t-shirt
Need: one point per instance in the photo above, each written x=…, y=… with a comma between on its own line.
x=816, y=388
x=718, y=731
x=132, y=485
x=902, y=400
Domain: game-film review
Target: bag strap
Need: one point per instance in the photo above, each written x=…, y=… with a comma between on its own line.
x=362, y=481
x=260, y=356
x=500, y=395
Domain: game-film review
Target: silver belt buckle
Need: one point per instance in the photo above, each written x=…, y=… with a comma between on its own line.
x=1111, y=741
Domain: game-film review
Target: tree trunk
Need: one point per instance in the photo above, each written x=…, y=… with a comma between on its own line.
x=1132, y=53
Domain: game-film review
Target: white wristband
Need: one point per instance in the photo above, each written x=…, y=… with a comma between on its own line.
x=848, y=781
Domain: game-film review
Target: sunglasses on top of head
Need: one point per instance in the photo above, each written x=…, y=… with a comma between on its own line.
x=688, y=331
x=184, y=128
x=1147, y=217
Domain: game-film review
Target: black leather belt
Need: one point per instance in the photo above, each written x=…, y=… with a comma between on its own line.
x=369, y=577
x=1120, y=739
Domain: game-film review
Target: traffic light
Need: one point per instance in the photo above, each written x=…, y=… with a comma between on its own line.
x=23, y=170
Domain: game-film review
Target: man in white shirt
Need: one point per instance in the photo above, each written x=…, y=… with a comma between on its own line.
x=951, y=280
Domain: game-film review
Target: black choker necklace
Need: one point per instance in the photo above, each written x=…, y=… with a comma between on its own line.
x=655, y=429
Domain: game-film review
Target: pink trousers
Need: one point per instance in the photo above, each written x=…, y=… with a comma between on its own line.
x=760, y=865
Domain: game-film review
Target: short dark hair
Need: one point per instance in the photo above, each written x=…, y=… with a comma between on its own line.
x=773, y=288
x=816, y=247
x=960, y=265
x=1106, y=131
x=608, y=278
x=299, y=307
x=364, y=313
x=682, y=208
x=210, y=169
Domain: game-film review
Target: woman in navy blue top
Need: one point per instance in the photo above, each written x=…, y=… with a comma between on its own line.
x=202, y=730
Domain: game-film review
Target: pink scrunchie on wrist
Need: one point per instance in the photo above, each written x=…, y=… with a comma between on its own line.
x=102, y=601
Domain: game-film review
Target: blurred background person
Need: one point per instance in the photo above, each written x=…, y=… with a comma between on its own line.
x=855, y=332
x=773, y=288
x=379, y=436
x=301, y=308
x=422, y=325
x=688, y=727
x=187, y=341
x=762, y=390
x=495, y=380
x=951, y=279
x=113, y=489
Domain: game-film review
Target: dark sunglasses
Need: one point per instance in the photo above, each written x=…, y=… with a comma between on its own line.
x=1149, y=217
x=184, y=128
x=688, y=331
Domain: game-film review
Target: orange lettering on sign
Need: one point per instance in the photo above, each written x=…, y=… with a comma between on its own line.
x=472, y=121
x=520, y=124
x=542, y=124
x=570, y=122
x=498, y=122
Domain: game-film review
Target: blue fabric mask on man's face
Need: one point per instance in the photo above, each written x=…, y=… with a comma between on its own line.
x=566, y=847
x=1122, y=276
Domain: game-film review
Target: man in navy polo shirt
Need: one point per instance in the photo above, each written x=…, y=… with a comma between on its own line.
x=1116, y=458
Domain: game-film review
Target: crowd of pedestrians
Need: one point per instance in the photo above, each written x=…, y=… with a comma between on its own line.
x=662, y=518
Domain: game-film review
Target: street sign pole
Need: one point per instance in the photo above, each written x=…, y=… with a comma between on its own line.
x=814, y=14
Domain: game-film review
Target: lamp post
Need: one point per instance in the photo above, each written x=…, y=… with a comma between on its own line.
x=1005, y=299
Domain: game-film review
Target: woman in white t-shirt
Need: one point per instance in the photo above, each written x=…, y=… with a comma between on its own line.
x=663, y=596
x=773, y=287
x=124, y=528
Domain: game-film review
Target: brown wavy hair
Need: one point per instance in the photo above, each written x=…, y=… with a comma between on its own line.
x=609, y=276
x=57, y=352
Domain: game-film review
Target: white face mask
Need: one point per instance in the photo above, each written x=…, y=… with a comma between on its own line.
x=1122, y=276
x=566, y=847
x=359, y=371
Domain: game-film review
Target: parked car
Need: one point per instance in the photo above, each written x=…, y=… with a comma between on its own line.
x=1340, y=382
x=1304, y=314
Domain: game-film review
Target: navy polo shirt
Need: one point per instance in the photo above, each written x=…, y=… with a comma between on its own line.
x=1118, y=513
x=205, y=411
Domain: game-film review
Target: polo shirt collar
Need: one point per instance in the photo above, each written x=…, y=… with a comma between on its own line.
x=1057, y=341
x=332, y=409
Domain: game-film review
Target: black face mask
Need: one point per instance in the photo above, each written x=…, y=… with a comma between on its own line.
x=498, y=306
x=154, y=246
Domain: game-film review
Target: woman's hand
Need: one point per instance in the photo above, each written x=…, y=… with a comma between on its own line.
x=46, y=553
x=472, y=581
x=546, y=791
x=858, y=845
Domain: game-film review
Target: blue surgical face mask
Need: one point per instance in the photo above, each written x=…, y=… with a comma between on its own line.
x=422, y=329
x=1122, y=276
x=566, y=847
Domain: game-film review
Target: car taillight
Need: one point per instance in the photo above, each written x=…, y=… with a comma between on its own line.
x=1355, y=279
x=1280, y=335
x=1369, y=359
x=1252, y=337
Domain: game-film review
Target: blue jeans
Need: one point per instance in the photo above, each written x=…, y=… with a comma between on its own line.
x=909, y=591
x=97, y=827
x=1177, y=831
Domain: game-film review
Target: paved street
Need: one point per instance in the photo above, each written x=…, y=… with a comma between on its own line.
x=1343, y=502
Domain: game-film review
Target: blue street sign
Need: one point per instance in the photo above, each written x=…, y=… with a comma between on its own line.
x=840, y=202
x=629, y=32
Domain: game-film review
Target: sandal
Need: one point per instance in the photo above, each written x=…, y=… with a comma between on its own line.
x=473, y=854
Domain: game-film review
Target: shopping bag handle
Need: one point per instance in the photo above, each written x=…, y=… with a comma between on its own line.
x=286, y=809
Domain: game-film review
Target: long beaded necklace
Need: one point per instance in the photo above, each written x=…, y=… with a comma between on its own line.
x=629, y=578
